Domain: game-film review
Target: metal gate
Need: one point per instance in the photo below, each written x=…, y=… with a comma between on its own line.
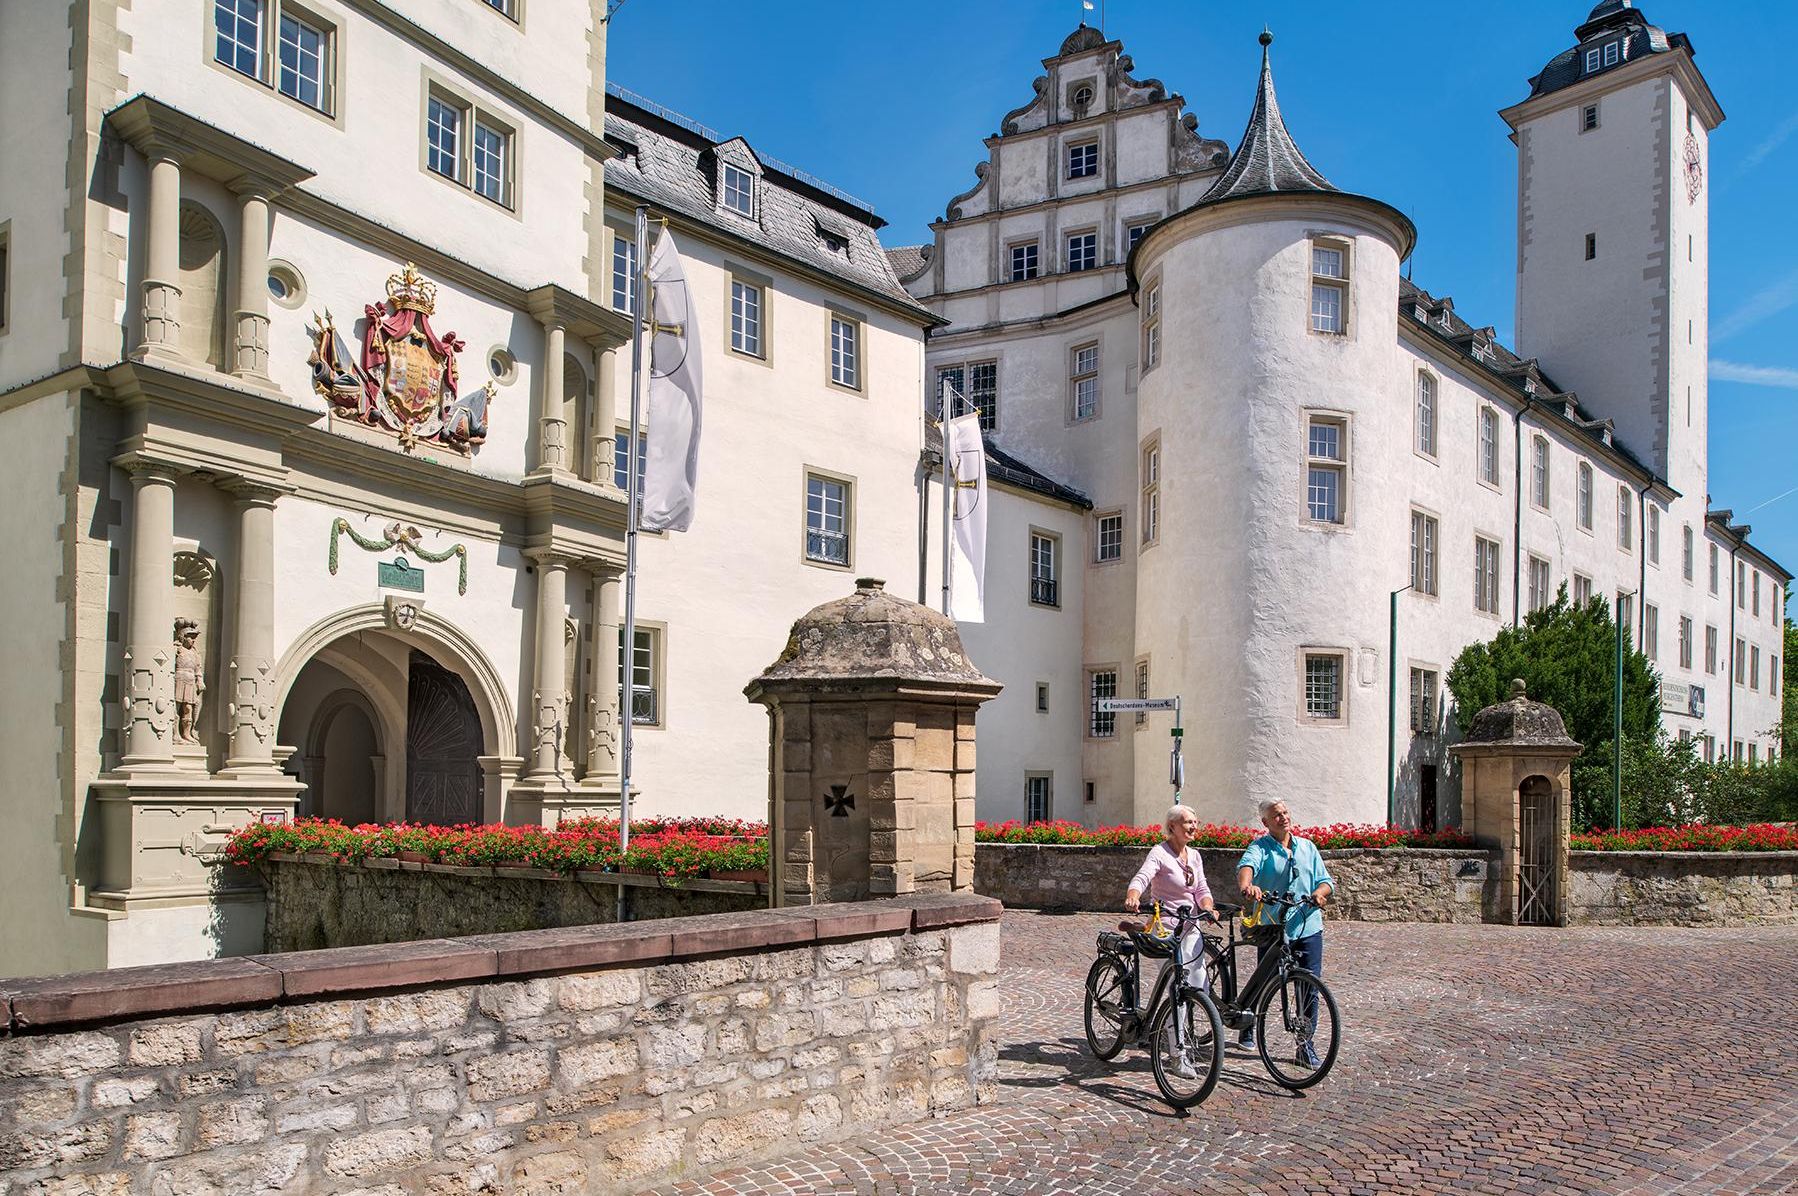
x=1536, y=871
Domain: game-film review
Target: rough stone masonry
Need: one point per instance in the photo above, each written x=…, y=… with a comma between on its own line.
x=582, y=1059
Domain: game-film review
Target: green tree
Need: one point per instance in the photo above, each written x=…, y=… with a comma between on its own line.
x=1566, y=655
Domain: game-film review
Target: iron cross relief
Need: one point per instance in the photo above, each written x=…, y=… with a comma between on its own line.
x=839, y=801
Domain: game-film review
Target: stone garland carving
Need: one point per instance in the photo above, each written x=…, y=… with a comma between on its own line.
x=190, y=681
x=405, y=380
x=404, y=536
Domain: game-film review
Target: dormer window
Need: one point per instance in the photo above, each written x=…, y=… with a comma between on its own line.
x=738, y=187
x=1599, y=57
x=835, y=244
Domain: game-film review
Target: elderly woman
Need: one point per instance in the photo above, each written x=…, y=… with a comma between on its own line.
x=1174, y=875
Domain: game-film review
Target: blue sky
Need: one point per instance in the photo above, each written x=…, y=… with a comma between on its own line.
x=890, y=101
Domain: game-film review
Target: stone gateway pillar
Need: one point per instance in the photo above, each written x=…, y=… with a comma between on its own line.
x=1517, y=792
x=871, y=718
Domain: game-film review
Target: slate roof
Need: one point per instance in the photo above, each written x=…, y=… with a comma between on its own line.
x=908, y=261
x=1600, y=28
x=1001, y=466
x=674, y=168
x=1266, y=159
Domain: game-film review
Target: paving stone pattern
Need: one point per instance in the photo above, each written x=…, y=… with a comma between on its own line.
x=1474, y=1059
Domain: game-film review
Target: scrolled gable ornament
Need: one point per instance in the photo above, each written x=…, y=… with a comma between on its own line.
x=405, y=380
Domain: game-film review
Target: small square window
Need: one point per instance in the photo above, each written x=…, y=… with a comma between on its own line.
x=738, y=190
x=1134, y=233
x=1083, y=160
x=1323, y=695
x=1023, y=261
x=1108, y=542
x=828, y=512
x=1083, y=251
x=845, y=352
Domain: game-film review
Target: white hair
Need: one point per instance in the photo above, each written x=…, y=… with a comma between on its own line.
x=1177, y=810
x=1269, y=803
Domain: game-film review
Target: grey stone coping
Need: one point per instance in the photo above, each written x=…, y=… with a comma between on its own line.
x=80, y=998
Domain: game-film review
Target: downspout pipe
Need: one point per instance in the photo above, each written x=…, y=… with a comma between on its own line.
x=1517, y=506
x=1729, y=730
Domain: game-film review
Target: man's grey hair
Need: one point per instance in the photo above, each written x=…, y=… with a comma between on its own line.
x=1269, y=803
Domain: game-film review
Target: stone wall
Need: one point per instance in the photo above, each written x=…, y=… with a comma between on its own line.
x=597, y=1059
x=1373, y=885
x=314, y=902
x=1683, y=888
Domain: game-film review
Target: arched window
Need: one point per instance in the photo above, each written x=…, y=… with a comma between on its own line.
x=202, y=285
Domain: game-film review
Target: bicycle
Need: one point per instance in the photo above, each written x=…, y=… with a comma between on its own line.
x=1306, y=1016
x=1184, y=1030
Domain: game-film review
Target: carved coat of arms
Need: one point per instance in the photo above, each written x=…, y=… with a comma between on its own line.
x=405, y=380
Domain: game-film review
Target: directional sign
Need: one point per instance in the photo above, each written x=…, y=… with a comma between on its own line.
x=1117, y=705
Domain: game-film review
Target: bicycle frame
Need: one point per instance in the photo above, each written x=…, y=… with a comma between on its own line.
x=1273, y=967
x=1174, y=974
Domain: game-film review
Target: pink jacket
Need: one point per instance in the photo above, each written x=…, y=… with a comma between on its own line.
x=1162, y=879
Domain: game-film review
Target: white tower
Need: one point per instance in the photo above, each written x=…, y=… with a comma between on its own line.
x=1612, y=146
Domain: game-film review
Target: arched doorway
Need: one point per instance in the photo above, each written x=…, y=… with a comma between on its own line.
x=1538, y=826
x=394, y=723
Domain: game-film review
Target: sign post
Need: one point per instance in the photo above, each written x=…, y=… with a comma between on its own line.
x=1176, y=765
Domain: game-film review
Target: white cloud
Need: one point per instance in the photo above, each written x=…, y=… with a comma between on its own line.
x=1754, y=375
x=1764, y=303
x=1773, y=141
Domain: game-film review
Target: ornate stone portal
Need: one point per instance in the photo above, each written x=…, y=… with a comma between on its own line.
x=871, y=712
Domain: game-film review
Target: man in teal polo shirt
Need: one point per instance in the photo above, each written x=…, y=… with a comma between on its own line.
x=1282, y=862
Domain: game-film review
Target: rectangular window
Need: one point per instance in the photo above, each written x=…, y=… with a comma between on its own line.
x=1710, y=749
x=1625, y=535
x=1426, y=414
x=1083, y=160
x=443, y=138
x=737, y=188
x=1042, y=697
x=983, y=393
x=827, y=516
x=1737, y=753
x=1754, y=667
x=1326, y=469
x=1713, y=568
x=1710, y=650
x=1741, y=585
x=621, y=458
x=1423, y=701
x=1083, y=380
x=492, y=153
x=239, y=25
x=1102, y=683
x=1134, y=233
x=624, y=273
x=1036, y=798
x=642, y=659
x=1109, y=538
x=1423, y=553
x=1755, y=589
x=1773, y=675
x=1593, y=59
x=504, y=7
x=1588, y=118
x=745, y=317
x=1612, y=53
x=1741, y=661
x=1685, y=642
x=845, y=363
x=1329, y=289
x=1654, y=535
x=1651, y=631
x=1151, y=492
x=1582, y=589
x=1591, y=246
x=1323, y=686
x=1488, y=446
x=1540, y=581
x=1585, y=496
x=1083, y=251
x=1151, y=327
x=1485, y=575
x=1539, y=472
x=304, y=72
x=1043, y=589
x=1023, y=261
x=1092, y=792
x=1685, y=551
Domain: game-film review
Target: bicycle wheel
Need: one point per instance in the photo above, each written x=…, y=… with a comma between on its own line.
x=1298, y=1031
x=1106, y=1009
x=1186, y=1048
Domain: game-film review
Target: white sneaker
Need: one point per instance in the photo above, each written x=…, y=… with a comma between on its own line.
x=1184, y=1069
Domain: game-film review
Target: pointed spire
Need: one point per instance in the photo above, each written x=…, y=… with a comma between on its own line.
x=1266, y=160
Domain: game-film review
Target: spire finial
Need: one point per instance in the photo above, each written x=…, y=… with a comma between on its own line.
x=1267, y=37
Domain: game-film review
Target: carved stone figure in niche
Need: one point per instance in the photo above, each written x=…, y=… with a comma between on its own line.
x=190, y=680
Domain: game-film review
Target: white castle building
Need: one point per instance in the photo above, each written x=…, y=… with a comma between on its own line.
x=1273, y=429
x=313, y=363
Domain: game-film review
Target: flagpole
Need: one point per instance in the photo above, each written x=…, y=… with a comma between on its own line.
x=633, y=512
x=944, y=413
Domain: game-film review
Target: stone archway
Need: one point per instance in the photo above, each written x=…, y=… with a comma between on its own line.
x=343, y=760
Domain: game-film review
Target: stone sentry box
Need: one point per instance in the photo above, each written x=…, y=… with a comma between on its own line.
x=871, y=722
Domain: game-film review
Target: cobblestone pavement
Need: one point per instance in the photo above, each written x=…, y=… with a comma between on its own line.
x=1474, y=1059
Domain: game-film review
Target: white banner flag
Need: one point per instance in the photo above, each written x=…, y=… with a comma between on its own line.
x=967, y=569
x=671, y=464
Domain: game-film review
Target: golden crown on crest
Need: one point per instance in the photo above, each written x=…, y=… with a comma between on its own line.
x=411, y=290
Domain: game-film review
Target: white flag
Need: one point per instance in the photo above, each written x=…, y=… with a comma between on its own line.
x=967, y=567
x=671, y=465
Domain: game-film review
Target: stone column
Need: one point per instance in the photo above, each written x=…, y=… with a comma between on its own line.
x=149, y=732
x=602, y=702
x=162, y=258
x=552, y=429
x=605, y=416
x=252, y=668
x=251, y=347
x=549, y=695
